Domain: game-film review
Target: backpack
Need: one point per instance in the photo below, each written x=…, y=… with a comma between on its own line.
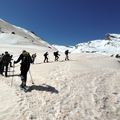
x=0, y=58
x=66, y=52
x=26, y=58
x=54, y=53
x=6, y=59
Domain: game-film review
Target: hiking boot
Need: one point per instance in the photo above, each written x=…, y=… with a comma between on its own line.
x=22, y=85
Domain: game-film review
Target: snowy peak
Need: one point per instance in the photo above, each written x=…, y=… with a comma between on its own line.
x=112, y=36
x=99, y=46
x=11, y=34
x=109, y=45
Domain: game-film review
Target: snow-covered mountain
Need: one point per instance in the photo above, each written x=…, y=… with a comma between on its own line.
x=109, y=45
x=112, y=37
x=13, y=35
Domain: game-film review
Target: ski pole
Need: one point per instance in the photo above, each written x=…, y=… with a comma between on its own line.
x=9, y=70
x=12, y=74
x=31, y=77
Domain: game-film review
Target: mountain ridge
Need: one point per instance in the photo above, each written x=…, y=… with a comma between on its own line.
x=14, y=35
x=11, y=34
x=109, y=45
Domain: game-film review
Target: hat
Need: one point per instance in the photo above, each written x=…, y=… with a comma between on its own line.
x=6, y=52
x=24, y=51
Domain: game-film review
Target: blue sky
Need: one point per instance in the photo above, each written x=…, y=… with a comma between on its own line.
x=65, y=22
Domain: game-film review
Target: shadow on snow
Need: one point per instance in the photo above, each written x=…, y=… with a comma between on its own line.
x=43, y=87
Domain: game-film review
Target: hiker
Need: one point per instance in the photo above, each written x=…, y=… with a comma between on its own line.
x=56, y=54
x=6, y=61
x=25, y=59
x=66, y=55
x=33, y=57
x=11, y=60
x=1, y=64
x=46, y=57
x=117, y=56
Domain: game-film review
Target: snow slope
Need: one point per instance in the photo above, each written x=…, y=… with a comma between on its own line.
x=85, y=88
x=11, y=34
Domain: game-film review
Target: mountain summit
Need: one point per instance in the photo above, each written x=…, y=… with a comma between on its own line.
x=13, y=35
x=112, y=37
x=109, y=45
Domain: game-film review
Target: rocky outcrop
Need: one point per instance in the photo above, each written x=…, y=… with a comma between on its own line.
x=112, y=36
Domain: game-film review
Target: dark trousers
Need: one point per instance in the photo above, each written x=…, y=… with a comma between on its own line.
x=23, y=78
x=24, y=70
x=56, y=58
x=46, y=59
x=33, y=60
x=1, y=68
x=67, y=58
x=6, y=69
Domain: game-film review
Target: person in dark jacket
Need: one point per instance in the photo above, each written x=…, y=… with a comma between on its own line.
x=56, y=54
x=6, y=60
x=25, y=59
x=46, y=57
x=11, y=60
x=66, y=55
x=33, y=57
x=1, y=64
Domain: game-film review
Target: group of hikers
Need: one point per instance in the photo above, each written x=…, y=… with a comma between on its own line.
x=5, y=60
x=26, y=59
x=56, y=55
